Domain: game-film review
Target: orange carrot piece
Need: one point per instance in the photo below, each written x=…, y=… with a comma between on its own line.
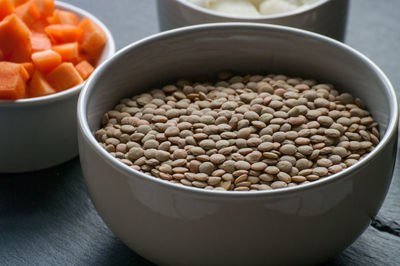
x=63, y=33
x=6, y=8
x=29, y=67
x=40, y=42
x=93, y=39
x=63, y=17
x=12, y=85
x=52, y=20
x=84, y=69
x=20, y=54
x=15, y=39
x=46, y=7
x=1, y=55
x=18, y=2
x=64, y=76
x=90, y=58
x=38, y=86
x=28, y=12
x=67, y=17
x=46, y=61
x=24, y=73
x=69, y=51
x=39, y=26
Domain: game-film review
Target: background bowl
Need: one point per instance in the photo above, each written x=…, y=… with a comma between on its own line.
x=326, y=17
x=40, y=132
x=175, y=225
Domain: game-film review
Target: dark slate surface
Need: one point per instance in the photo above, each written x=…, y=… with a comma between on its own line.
x=47, y=218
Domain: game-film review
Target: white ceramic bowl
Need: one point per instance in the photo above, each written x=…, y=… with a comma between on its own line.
x=171, y=224
x=326, y=17
x=40, y=132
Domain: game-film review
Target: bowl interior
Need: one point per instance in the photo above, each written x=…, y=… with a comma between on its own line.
x=242, y=48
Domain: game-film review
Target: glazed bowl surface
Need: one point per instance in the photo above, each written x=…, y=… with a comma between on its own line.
x=40, y=132
x=171, y=224
x=327, y=17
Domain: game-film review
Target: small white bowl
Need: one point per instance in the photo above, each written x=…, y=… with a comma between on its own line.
x=40, y=132
x=327, y=17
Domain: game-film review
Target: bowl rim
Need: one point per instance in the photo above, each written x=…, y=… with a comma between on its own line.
x=297, y=11
x=83, y=125
x=76, y=89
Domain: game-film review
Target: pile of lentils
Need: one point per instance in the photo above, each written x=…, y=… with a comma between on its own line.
x=240, y=133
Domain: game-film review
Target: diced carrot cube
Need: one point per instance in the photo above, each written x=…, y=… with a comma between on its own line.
x=63, y=17
x=39, y=26
x=93, y=39
x=29, y=67
x=20, y=54
x=63, y=33
x=28, y=12
x=38, y=86
x=52, y=20
x=12, y=85
x=64, y=76
x=15, y=39
x=46, y=7
x=40, y=42
x=46, y=60
x=67, y=17
x=69, y=51
x=90, y=58
x=84, y=68
x=6, y=8
x=24, y=73
x=18, y=2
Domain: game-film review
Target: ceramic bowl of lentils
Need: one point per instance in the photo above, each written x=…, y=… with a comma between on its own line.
x=237, y=144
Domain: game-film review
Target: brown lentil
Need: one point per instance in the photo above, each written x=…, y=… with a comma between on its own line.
x=240, y=133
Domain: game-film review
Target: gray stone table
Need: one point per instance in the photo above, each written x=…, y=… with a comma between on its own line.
x=47, y=218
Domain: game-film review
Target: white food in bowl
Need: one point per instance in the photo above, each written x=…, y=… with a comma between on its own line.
x=202, y=3
x=235, y=7
x=277, y=6
x=252, y=8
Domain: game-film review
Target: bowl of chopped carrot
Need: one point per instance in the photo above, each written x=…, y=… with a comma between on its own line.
x=47, y=51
